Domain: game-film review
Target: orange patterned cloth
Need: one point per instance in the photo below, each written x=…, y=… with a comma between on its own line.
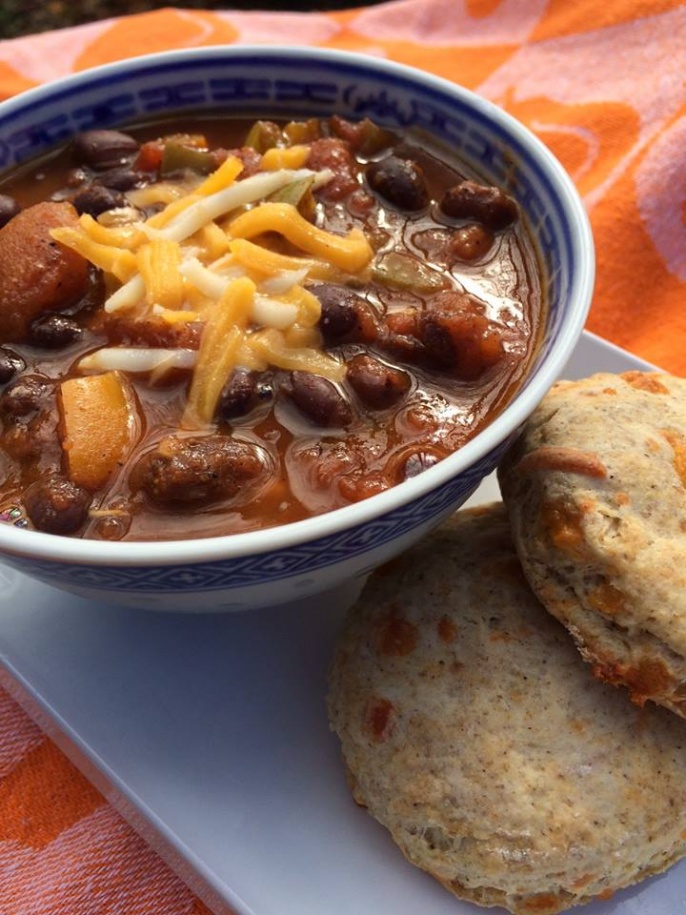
x=602, y=84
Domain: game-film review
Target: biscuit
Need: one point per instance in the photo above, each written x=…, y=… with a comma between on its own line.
x=595, y=488
x=473, y=731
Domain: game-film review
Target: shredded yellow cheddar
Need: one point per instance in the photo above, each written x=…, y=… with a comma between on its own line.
x=265, y=262
x=225, y=175
x=118, y=261
x=351, y=252
x=162, y=192
x=211, y=241
x=222, y=336
x=127, y=236
x=284, y=157
x=271, y=345
x=171, y=211
x=158, y=264
x=194, y=261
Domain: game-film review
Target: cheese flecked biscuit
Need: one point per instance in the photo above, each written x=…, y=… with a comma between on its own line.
x=474, y=732
x=596, y=491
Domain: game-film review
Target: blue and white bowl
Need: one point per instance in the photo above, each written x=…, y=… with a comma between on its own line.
x=243, y=571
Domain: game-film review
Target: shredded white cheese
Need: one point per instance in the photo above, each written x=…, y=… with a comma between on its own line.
x=181, y=266
x=137, y=359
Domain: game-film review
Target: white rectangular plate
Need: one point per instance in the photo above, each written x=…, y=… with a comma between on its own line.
x=209, y=734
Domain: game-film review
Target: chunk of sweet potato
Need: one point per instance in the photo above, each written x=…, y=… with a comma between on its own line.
x=37, y=274
x=98, y=415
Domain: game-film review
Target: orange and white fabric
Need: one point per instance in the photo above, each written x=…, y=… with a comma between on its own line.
x=602, y=84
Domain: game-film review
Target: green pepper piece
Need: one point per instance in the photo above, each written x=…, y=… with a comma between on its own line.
x=264, y=135
x=177, y=158
x=298, y=194
x=406, y=272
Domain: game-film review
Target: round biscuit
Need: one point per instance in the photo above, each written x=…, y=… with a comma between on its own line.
x=473, y=731
x=596, y=492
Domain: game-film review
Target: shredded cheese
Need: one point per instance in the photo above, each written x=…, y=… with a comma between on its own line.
x=351, y=252
x=271, y=263
x=136, y=359
x=284, y=157
x=158, y=265
x=122, y=236
x=120, y=262
x=201, y=259
x=271, y=345
x=222, y=337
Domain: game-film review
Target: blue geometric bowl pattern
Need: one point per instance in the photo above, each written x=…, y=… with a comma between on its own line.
x=263, y=81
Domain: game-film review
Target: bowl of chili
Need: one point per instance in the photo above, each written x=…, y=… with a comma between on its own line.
x=267, y=316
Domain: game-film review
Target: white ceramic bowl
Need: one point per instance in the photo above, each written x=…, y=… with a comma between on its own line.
x=254, y=569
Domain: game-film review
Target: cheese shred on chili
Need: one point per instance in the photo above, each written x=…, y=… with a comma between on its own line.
x=204, y=258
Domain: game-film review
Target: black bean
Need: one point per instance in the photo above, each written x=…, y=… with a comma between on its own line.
x=54, y=331
x=240, y=395
x=26, y=395
x=195, y=471
x=400, y=182
x=318, y=399
x=9, y=207
x=10, y=364
x=102, y=149
x=345, y=316
x=488, y=205
x=122, y=179
x=55, y=505
x=96, y=199
x=376, y=384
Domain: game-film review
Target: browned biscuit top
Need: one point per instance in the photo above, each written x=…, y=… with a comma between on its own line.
x=474, y=732
x=595, y=488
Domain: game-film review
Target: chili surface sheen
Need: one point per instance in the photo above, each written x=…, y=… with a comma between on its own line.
x=217, y=326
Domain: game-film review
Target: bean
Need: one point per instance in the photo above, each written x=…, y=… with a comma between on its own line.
x=9, y=208
x=376, y=384
x=345, y=316
x=103, y=149
x=55, y=505
x=197, y=470
x=240, y=395
x=400, y=182
x=10, y=364
x=122, y=179
x=318, y=399
x=488, y=205
x=54, y=331
x=96, y=199
x=25, y=396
